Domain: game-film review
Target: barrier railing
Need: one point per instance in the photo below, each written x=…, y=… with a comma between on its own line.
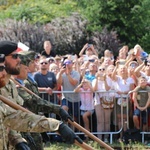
x=93, y=118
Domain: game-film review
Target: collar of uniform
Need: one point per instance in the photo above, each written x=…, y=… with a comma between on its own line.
x=30, y=76
x=20, y=81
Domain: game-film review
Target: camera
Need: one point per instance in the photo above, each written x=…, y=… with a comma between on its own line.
x=89, y=45
x=145, y=62
x=122, y=62
x=64, y=65
x=91, y=60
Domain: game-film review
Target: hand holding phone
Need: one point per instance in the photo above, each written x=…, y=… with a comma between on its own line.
x=91, y=60
x=145, y=62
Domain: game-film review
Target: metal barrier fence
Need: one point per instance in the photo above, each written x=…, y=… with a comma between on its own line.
x=119, y=116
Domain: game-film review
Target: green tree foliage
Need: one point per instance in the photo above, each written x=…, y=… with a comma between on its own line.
x=38, y=11
x=129, y=18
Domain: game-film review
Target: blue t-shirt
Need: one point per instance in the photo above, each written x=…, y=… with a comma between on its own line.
x=90, y=77
x=48, y=80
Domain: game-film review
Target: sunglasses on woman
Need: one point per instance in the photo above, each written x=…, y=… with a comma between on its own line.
x=102, y=69
x=42, y=63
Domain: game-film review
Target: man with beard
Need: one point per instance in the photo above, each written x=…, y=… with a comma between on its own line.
x=15, y=119
x=28, y=122
x=12, y=66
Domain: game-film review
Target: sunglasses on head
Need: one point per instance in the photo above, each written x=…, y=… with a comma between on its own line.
x=68, y=62
x=14, y=56
x=42, y=63
x=102, y=69
x=2, y=68
x=133, y=65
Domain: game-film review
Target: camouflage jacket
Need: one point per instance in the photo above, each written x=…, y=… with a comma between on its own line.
x=24, y=121
x=35, y=104
x=10, y=91
x=33, y=86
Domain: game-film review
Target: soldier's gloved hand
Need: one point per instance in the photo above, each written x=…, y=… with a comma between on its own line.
x=68, y=135
x=64, y=115
x=22, y=146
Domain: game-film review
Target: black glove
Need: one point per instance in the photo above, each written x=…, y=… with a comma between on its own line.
x=22, y=146
x=68, y=135
x=64, y=115
x=31, y=141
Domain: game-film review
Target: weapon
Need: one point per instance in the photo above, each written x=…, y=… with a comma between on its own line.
x=72, y=123
x=18, y=107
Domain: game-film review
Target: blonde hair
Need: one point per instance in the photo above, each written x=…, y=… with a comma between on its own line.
x=53, y=66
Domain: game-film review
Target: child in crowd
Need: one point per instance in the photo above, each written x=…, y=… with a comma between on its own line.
x=141, y=97
x=87, y=103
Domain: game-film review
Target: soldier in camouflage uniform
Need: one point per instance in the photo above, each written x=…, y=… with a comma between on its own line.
x=10, y=91
x=28, y=122
x=15, y=119
x=32, y=102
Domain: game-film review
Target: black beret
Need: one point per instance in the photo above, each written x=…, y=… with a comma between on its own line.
x=2, y=58
x=7, y=47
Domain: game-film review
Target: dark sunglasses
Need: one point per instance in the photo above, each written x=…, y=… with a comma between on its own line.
x=51, y=60
x=2, y=68
x=14, y=56
x=42, y=63
x=102, y=69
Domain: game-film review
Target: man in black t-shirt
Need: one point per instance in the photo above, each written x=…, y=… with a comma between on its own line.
x=48, y=50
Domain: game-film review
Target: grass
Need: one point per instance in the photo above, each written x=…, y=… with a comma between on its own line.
x=96, y=146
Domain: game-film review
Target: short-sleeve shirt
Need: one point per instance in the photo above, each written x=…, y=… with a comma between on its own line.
x=52, y=54
x=87, y=102
x=67, y=86
x=123, y=85
x=142, y=97
x=48, y=80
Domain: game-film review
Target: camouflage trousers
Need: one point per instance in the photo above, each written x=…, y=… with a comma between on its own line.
x=34, y=140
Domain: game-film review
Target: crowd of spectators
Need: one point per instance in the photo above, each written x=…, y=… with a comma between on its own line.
x=98, y=85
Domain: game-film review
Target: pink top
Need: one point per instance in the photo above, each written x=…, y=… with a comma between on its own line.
x=87, y=102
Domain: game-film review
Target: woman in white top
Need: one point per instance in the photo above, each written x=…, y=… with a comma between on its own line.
x=124, y=84
x=103, y=101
